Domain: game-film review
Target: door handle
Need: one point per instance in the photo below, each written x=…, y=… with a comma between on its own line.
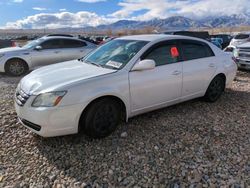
x=211, y=65
x=176, y=73
x=57, y=52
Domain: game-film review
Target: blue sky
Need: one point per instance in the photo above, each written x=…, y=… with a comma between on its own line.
x=11, y=11
x=80, y=13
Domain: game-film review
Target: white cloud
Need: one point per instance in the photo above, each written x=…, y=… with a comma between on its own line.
x=17, y=1
x=91, y=1
x=133, y=10
x=39, y=8
x=59, y=20
x=62, y=9
x=192, y=8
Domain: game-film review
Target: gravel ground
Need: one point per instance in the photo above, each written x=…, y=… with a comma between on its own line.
x=193, y=144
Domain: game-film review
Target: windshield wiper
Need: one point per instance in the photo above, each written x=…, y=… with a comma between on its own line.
x=90, y=62
x=96, y=64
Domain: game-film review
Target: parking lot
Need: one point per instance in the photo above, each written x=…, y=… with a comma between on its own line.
x=191, y=144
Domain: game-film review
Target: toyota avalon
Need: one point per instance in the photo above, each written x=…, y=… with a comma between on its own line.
x=121, y=79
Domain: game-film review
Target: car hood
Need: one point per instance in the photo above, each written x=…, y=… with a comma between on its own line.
x=237, y=42
x=11, y=49
x=59, y=75
x=245, y=45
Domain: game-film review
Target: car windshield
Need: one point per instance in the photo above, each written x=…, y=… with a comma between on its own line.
x=241, y=36
x=115, y=54
x=32, y=43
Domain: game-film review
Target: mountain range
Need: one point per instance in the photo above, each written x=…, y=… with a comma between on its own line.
x=178, y=23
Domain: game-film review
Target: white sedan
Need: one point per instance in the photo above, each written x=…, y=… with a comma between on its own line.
x=123, y=78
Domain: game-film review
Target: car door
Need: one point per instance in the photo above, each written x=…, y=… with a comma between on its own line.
x=49, y=53
x=199, y=66
x=160, y=86
x=73, y=49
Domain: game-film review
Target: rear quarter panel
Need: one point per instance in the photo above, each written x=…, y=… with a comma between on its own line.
x=225, y=65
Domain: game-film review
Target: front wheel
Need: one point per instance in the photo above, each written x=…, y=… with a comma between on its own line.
x=16, y=67
x=215, y=89
x=102, y=118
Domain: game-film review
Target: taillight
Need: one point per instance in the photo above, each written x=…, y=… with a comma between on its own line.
x=13, y=44
x=235, y=59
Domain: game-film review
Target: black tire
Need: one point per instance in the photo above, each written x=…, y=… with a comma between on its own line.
x=101, y=118
x=215, y=89
x=16, y=67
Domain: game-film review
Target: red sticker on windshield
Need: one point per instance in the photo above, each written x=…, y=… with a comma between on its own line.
x=174, y=52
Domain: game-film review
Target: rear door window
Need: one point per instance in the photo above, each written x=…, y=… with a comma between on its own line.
x=68, y=43
x=195, y=50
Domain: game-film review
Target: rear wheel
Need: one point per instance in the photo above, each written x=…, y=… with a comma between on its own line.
x=102, y=118
x=16, y=67
x=215, y=89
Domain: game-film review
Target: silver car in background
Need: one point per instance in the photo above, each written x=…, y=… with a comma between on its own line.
x=242, y=56
x=47, y=50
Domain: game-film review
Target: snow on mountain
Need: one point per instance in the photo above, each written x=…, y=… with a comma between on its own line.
x=180, y=22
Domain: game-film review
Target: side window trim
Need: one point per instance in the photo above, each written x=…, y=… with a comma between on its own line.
x=162, y=43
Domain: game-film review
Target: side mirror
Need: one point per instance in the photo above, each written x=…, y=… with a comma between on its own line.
x=145, y=64
x=38, y=48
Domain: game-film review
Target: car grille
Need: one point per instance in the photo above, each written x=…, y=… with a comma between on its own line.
x=244, y=49
x=21, y=97
x=31, y=125
x=244, y=55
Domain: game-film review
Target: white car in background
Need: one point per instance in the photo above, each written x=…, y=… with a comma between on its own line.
x=240, y=39
x=17, y=61
x=242, y=56
x=121, y=79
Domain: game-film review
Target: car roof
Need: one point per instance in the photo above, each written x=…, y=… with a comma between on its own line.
x=156, y=37
x=59, y=37
x=246, y=33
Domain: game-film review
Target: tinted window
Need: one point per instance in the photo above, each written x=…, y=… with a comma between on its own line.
x=242, y=36
x=163, y=54
x=196, y=50
x=73, y=43
x=51, y=44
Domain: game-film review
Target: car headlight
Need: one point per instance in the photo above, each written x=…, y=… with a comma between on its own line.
x=18, y=87
x=48, y=99
x=1, y=55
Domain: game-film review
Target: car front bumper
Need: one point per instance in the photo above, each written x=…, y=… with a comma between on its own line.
x=2, y=65
x=49, y=122
x=243, y=64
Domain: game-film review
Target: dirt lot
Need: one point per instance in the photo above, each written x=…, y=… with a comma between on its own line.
x=194, y=144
